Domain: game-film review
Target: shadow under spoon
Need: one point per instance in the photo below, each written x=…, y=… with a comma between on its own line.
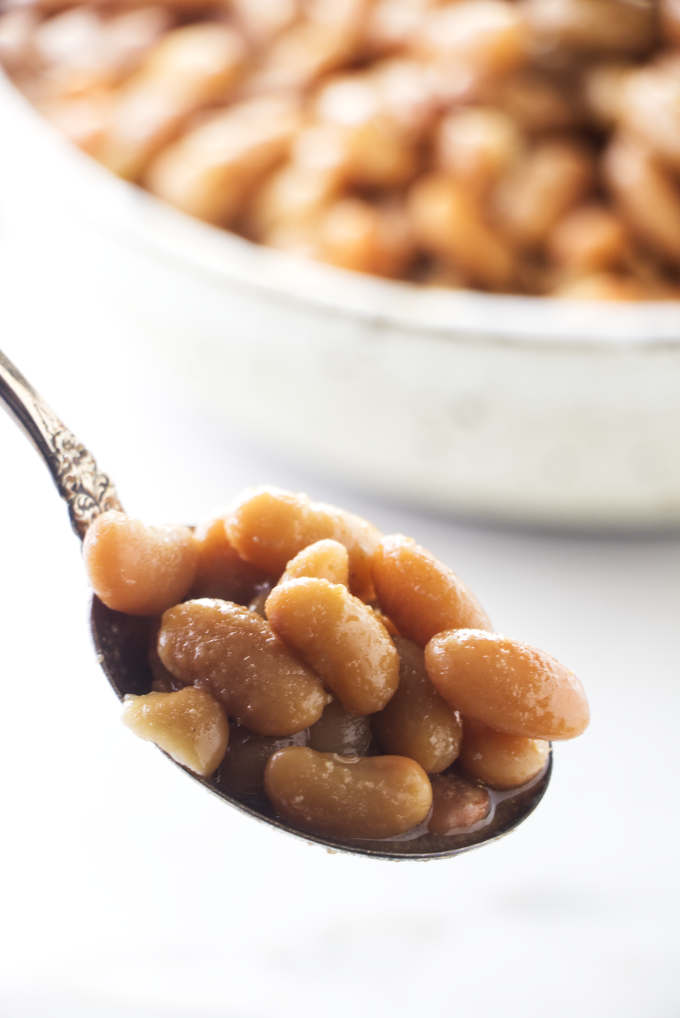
x=121, y=641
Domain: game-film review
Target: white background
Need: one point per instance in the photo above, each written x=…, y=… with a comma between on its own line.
x=127, y=890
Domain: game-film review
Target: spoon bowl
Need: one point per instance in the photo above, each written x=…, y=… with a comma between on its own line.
x=122, y=641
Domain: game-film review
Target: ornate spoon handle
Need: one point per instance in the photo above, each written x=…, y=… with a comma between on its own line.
x=86, y=491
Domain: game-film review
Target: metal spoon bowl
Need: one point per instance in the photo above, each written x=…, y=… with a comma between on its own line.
x=121, y=641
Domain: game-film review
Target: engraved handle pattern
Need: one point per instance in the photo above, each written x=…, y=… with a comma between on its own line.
x=86, y=490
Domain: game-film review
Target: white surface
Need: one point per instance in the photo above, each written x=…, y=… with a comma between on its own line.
x=534, y=409
x=128, y=891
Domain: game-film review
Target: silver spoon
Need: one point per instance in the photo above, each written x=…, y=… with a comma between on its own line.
x=121, y=641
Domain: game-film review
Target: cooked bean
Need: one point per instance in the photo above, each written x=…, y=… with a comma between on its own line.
x=608, y=26
x=603, y=88
x=138, y=569
x=375, y=139
x=500, y=760
x=443, y=142
x=292, y=194
x=540, y=188
x=81, y=49
x=83, y=119
x=610, y=286
x=487, y=35
x=380, y=153
x=188, y=724
x=191, y=66
x=305, y=51
x=242, y=771
x=508, y=685
x=321, y=147
x=476, y=145
x=447, y=221
x=359, y=235
x=589, y=239
x=69, y=48
x=420, y=594
x=535, y=101
x=646, y=194
x=650, y=110
x=350, y=233
x=324, y=560
x=221, y=571
x=268, y=527
x=233, y=653
x=412, y=92
x=392, y=23
x=339, y=731
x=262, y=22
x=340, y=638
x=350, y=797
x=457, y=804
x=670, y=20
x=17, y=32
x=213, y=168
x=417, y=722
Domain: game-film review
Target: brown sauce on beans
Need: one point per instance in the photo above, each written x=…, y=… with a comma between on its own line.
x=309, y=706
x=470, y=143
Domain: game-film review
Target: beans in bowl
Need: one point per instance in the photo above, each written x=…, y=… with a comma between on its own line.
x=347, y=679
x=519, y=147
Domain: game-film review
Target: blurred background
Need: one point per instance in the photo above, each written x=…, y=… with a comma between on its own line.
x=527, y=440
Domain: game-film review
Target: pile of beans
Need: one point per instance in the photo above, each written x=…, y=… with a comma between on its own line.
x=518, y=146
x=349, y=677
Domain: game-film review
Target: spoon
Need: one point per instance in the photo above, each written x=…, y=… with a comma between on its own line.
x=121, y=641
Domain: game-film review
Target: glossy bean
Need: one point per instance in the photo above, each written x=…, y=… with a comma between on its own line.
x=324, y=560
x=646, y=194
x=457, y=804
x=417, y=722
x=498, y=759
x=348, y=797
x=233, y=653
x=189, y=725
x=221, y=572
x=242, y=771
x=138, y=569
x=339, y=731
x=508, y=685
x=190, y=67
x=420, y=594
x=268, y=527
x=340, y=638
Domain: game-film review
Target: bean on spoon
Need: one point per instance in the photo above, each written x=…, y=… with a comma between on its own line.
x=121, y=641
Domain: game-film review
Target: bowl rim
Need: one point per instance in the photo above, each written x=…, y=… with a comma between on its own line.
x=137, y=216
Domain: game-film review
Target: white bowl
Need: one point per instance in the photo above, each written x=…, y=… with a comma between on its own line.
x=532, y=409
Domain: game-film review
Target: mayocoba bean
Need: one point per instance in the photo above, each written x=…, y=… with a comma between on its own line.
x=340, y=638
x=234, y=654
x=268, y=527
x=420, y=594
x=457, y=804
x=221, y=571
x=339, y=731
x=188, y=724
x=507, y=685
x=417, y=722
x=498, y=759
x=242, y=771
x=138, y=569
x=325, y=560
x=348, y=797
